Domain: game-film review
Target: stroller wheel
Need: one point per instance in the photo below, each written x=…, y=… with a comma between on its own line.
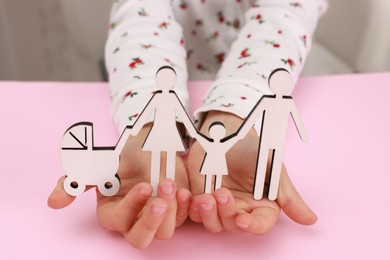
x=73, y=187
x=110, y=187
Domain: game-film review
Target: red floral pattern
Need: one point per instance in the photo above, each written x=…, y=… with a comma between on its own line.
x=204, y=44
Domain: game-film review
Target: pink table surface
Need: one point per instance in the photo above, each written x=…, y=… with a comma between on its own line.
x=342, y=173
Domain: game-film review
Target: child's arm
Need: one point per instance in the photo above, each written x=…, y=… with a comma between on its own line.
x=277, y=33
x=143, y=37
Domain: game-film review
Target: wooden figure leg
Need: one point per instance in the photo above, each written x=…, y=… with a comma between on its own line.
x=171, y=165
x=261, y=169
x=207, y=183
x=155, y=171
x=218, y=182
x=276, y=168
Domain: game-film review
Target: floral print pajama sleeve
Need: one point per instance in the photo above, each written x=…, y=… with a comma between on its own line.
x=234, y=43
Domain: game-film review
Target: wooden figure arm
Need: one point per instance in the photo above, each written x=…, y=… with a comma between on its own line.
x=187, y=122
x=143, y=117
x=298, y=122
x=189, y=125
x=243, y=130
x=203, y=140
x=252, y=118
x=232, y=139
x=123, y=138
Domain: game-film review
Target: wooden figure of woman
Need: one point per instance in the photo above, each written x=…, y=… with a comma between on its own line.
x=164, y=135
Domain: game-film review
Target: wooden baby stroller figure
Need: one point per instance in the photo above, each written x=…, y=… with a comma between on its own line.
x=85, y=164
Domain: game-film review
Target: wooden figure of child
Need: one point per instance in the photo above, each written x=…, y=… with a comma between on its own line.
x=214, y=161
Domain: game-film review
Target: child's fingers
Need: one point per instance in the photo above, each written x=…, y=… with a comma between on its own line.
x=209, y=213
x=120, y=214
x=292, y=203
x=59, y=198
x=261, y=219
x=144, y=230
x=227, y=209
x=167, y=191
x=193, y=211
x=183, y=198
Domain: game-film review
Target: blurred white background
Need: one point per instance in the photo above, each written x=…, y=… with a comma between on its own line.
x=63, y=40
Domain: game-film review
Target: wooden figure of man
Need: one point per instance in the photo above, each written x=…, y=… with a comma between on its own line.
x=274, y=111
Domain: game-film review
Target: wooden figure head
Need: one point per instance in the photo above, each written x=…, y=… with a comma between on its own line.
x=280, y=82
x=166, y=78
x=217, y=131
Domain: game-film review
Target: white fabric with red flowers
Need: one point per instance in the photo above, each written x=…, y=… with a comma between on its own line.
x=234, y=43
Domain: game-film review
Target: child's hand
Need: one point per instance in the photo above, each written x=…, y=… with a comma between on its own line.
x=233, y=208
x=133, y=212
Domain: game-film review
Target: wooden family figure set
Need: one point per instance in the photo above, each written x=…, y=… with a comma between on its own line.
x=84, y=164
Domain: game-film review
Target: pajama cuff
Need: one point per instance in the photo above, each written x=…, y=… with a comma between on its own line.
x=233, y=97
